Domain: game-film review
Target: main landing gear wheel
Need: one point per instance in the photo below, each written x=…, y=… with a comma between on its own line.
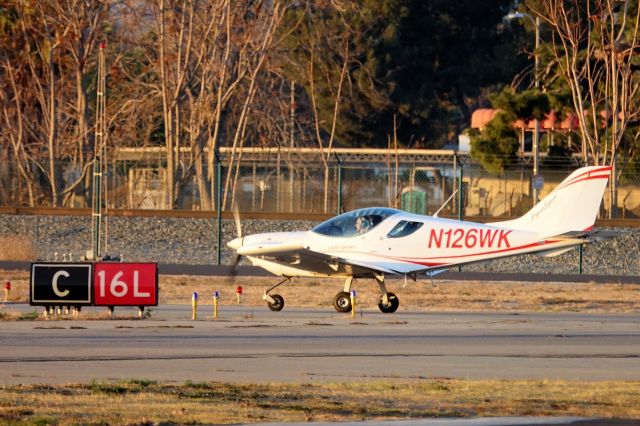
x=278, y=303
x=392, y=306
x=342, y=302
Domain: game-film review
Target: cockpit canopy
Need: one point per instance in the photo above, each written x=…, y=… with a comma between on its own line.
x=356, y=222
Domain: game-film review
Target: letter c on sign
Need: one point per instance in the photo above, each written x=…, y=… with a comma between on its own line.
x=54, y=283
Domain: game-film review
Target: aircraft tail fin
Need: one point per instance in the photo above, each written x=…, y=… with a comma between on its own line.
x=572, y=206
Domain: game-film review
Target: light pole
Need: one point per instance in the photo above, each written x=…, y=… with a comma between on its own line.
x=535, y=183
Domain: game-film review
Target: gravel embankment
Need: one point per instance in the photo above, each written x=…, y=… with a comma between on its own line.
x=193, y=241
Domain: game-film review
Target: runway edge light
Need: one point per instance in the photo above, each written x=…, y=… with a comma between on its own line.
x=216, y=298
x=194, y=306
x=353, y=303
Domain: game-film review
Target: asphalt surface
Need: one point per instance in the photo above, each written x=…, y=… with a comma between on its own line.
x=254, y=345
x=484, y=421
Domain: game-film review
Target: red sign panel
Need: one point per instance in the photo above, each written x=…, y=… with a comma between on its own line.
x=125, y=284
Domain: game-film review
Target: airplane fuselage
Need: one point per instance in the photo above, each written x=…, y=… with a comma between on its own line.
x=437, y=244
x=377, y=241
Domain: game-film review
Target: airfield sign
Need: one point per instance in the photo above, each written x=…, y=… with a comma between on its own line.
x=125, y=284
x=60, y=284
x=99, y=284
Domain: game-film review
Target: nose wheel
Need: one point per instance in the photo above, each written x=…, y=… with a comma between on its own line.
x=277, y=302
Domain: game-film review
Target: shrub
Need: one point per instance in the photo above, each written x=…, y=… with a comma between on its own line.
x=16, y=247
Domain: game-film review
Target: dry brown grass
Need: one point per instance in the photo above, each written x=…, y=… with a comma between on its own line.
x=415, y=296
x=147, y=402
x=16, y=247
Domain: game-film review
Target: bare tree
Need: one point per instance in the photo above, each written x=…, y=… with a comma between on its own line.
x=211, y=55
x=53, y=43
x=322, y=74
x=326, y=156
x=256, y=44
x=594, y=44
x=46, y=35
x=11, y=99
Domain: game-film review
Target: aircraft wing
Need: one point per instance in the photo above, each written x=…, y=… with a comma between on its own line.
x=296, y=255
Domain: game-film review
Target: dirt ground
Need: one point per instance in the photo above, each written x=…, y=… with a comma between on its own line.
x=444, y=295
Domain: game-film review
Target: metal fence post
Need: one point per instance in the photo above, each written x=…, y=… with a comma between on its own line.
x=339, y=183
x=580, y=259
x=219, y=206
x=460, y=209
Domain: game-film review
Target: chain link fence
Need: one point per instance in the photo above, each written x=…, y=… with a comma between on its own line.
x=318, y=185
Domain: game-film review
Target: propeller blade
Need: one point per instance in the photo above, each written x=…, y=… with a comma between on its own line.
x=236, y=218
x=236, y=260
x=234, y=266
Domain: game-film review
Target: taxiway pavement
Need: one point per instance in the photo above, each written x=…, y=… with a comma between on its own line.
x=249, y=344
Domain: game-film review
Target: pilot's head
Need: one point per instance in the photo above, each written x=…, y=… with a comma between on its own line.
x=362, y=224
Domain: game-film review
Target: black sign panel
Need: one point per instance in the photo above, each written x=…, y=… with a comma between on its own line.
x=61, y=284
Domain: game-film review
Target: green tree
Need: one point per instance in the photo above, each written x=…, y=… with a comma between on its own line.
x=497, y=144
x=422, y=62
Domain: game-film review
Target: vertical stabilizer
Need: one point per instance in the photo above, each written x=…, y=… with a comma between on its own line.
x=571, y=206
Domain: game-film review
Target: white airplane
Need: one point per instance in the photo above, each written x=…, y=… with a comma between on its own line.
x=375, y=242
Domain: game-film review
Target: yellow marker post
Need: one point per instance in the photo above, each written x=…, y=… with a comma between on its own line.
x=194, y=306
x=216, y=298
x=353, y=303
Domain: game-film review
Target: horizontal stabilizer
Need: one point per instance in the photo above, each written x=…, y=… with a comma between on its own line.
x=593, y=235
x=556, y=252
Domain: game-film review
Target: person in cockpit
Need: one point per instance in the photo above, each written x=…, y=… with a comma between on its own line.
x=362, y=225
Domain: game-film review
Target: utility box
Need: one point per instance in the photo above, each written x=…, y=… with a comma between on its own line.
x=414, y=200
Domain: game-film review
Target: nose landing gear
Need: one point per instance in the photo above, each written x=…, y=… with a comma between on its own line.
x=275, y=302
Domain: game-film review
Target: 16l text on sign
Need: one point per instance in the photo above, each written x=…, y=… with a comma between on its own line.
x=125, y=284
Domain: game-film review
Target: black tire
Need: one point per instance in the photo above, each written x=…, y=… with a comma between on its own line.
x=278, y=303
x=394, y=302
x=342, y=302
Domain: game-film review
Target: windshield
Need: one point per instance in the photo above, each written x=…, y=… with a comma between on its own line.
x=404, y=228
x=356, y=222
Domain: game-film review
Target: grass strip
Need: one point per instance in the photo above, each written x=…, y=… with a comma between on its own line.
x=146, y=402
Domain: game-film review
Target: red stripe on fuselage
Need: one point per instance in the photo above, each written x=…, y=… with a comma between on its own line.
x=428, y=261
